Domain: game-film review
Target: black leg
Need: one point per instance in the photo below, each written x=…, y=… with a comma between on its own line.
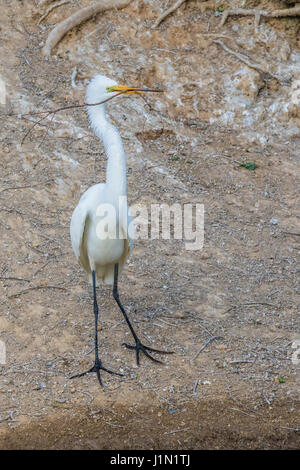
x=138, y=345
x=98, y=365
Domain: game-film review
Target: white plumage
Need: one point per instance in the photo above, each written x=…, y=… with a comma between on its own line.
x=91, y=252
x=105, y=205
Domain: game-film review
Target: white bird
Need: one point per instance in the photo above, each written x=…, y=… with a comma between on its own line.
x=103, y=255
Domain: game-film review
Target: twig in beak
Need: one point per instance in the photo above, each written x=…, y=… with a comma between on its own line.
x=64, y=108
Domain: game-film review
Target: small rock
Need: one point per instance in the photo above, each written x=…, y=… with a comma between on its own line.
x=63, y=133
x=83, y=362
x=40, y=386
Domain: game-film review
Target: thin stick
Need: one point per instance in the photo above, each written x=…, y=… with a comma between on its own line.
x=205, y=345
x=18, y=187
x=35, y=288
x=41, y=269
x=14, y=279
x=177, y=430
x=241, y=361
x=249, y=304
x=32, y=127
x=290, y=429
x=54, y=111
x=77, y=18
x=292, y=233
x=244, y=412
x=47, y=131
x=63, y=108
x=167, y=323
x=195, y=385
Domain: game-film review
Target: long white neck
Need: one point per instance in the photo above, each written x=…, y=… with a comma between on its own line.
x=116, y=159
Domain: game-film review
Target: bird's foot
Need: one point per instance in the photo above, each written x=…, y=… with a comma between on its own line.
x=96, y=368
x=141, y=347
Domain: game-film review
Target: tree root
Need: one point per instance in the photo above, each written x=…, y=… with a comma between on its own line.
x=168, y=12
x=77, y=18
x=44, y=2
x=259, y=68
x=295, y=11
x=242, y=58
x=51, y=8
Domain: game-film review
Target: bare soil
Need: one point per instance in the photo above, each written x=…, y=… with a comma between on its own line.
x=242, y=390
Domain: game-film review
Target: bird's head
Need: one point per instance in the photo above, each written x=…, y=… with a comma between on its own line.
x=102, y=89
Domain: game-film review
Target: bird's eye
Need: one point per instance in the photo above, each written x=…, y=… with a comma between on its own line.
x=110, y=89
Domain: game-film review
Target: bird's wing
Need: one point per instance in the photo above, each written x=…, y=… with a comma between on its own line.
x=79, y=222
x=77, y=230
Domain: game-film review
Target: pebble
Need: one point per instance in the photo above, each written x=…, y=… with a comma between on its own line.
x=40, y=386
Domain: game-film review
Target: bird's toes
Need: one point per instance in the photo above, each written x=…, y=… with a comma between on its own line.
x=141, y=347
x=129, y=346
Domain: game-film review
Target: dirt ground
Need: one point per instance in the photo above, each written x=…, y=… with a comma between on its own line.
x=242, y=389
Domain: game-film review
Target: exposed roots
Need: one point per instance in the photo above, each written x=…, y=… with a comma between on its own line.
x=168, y=12
x=259, y=68
x=79, y=17
x=51, y=8
x=44, y=2
x=243, y=12
x=295, y=11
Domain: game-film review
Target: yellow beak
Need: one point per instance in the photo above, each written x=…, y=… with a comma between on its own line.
x=130, y=90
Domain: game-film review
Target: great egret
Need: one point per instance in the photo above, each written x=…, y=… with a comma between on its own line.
x=103, y=259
